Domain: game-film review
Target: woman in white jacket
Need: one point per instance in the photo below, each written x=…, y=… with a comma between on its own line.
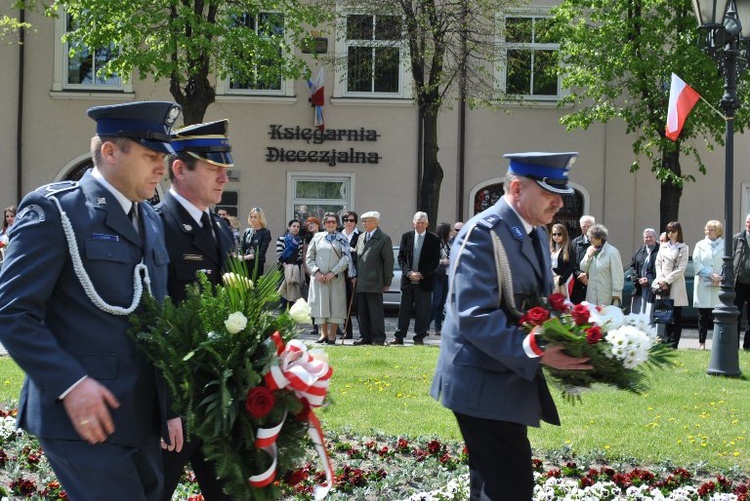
x=707, y=263
x=671, y=262
x=603, y=264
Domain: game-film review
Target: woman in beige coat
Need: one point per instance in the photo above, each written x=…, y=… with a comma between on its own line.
x=671, y=262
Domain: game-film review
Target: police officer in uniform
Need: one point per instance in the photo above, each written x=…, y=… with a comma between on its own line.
x=485, y=375
x=78, y=268
x=198, y=241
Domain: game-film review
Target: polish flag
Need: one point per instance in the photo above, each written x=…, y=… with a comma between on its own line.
x=317, y=97
x=682, y=98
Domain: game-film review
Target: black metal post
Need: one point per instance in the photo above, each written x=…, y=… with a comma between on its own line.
x=724, y=344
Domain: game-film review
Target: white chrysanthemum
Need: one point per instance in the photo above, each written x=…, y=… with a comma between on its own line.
x=642, y=322
x=300, y=312
x=235, y=322
x=630, y=345
x=609, y=317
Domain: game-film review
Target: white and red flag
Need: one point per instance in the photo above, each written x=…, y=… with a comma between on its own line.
x=682, y=98
x=317, y=97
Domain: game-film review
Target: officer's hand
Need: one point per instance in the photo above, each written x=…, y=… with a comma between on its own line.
x=176, y=437
x=88, y=407
x=554, y=357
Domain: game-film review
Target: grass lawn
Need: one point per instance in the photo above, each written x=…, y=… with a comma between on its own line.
x=687, y=418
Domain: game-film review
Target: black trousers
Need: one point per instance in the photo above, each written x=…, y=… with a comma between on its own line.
x=705, y=322
x=673, y=331
x=371, y=316
x=414, y=299
x=499, y=459
x=742, y=300
x=205, y=472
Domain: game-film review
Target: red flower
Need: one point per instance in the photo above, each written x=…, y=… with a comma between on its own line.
x=557, y=301
x=580, y=314
x=537, y=315
x=296, y=476
x=260, y=402
x=593, y=334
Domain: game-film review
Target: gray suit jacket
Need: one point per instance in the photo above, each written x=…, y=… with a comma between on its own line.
x=54, y=331
x=374, y=262
x=482, y=369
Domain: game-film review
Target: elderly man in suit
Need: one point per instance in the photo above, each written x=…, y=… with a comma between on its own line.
x=197, y=241
x=374, y=275
x=580, y=245
x=418, y=256
x=486, y=373
x=78, y=267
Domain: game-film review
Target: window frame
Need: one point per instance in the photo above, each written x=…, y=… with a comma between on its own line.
x=501, y=74
x=347, y=203
x=60, y=78
x=224, y=88
x=340, y=89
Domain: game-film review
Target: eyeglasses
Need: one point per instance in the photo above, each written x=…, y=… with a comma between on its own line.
x=557, y=234
x=330, y=221
x=350, y=220
x=456, y=229
x=671, y=231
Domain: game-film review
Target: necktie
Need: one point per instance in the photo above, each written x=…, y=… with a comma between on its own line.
x=537, y=246
x=417, y=252
x=206, y=227
x=133, y=215
x=367, y=237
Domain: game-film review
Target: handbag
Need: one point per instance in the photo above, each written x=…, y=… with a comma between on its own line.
x=663, y=312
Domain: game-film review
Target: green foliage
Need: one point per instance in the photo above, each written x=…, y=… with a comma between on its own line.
x=618, y=57
x=185, y=41
x=210, y=369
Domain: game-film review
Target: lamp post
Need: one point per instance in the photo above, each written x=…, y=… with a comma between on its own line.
x=725, y=25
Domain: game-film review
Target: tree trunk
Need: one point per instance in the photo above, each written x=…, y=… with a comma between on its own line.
x=669, y=205
x=197, y=96
x=432, y=172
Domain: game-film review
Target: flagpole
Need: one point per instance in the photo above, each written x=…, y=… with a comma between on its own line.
x=722, y=115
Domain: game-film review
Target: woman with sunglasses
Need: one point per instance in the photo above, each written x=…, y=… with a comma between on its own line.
x=255, y=242
x=671, y=262
x=329, y=260
x=562, y=258
x=351, y=233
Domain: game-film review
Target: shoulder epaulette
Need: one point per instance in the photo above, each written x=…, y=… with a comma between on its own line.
x=489, y=221
x=55, y=188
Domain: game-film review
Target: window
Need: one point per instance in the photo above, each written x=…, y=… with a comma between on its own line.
x=314, y=195
x=79, y=71
x=266, y=25
x=375, y=56
x=531, y=58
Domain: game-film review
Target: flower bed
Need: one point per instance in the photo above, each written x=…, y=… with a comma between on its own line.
x=379, y=467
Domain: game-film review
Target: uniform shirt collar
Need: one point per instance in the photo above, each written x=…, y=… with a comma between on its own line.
x=194, y=211
x=526, y=226
x=124, y=202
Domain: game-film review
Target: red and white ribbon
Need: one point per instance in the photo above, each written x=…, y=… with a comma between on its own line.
x=308, y=377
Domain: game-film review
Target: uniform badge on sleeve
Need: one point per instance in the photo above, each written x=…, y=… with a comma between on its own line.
x=32, y=211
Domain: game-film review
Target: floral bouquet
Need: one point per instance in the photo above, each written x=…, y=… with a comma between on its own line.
x=239, y=379
x=618, y=346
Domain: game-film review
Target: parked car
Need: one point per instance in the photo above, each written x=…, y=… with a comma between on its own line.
x=689, y=314
x=392, y=298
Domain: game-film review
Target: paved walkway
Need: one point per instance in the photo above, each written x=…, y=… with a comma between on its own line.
x=688, y=341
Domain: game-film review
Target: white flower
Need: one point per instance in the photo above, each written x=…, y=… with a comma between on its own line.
x=300, y=312
x=630, y=345
x=236, y=322
x=233, y=280
x=610, y=317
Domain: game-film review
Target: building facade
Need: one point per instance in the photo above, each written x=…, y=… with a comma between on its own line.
x=367, y=156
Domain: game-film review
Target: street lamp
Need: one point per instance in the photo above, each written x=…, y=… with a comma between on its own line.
x=725, y=26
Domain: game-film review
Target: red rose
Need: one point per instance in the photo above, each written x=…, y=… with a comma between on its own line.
x=580, y=314
x=557, y=301
x=537, y=315
x=259, y=402
x=594, y=334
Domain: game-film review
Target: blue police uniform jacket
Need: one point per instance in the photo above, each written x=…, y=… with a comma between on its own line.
x=189, y=250
x=482, y=370
x=56, y=334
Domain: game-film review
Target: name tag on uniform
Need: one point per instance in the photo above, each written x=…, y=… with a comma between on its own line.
x=192, y=257
x=102, y=236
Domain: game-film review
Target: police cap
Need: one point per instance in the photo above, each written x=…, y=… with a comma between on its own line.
x=148, y=123
x=207, y=142
x=549, y=170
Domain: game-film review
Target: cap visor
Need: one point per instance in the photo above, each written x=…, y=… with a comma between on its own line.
x=562, y=189
x=157, y=146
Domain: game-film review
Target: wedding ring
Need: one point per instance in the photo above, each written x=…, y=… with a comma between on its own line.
x=84, y=422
